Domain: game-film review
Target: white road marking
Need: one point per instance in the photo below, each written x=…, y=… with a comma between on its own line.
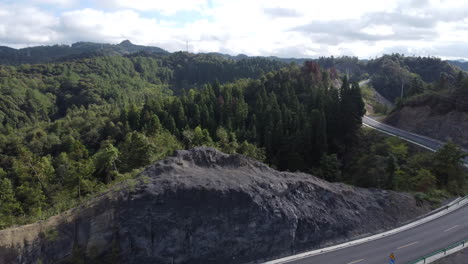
x=451, y=228
x=408, y=245
x=356, y=261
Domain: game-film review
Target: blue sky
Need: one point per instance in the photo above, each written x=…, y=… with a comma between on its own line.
x=292, y=28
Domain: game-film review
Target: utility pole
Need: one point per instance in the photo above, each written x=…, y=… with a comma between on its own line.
x=28, y=51
x=402, y=88
x=402, y=83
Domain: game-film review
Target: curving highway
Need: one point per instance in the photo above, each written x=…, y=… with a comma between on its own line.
x=425, y=142
x=406, y=246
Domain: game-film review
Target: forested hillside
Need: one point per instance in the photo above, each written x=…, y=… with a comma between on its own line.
x=45, y=92
x=440, y=112
x=44, y=54
x=445, y=98
x=70, y=128
x=393, y=76
x=461, y=64
x=396, y=76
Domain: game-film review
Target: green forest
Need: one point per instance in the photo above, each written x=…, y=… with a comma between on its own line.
x=71, y=129
x=443, y=96
x=398, y=77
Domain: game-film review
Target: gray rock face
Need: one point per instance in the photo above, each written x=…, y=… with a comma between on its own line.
x=204, y=206
x=423, y=120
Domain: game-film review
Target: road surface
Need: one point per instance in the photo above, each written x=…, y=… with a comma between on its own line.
x=423, y=141
x=426, y=142
x=406, y=246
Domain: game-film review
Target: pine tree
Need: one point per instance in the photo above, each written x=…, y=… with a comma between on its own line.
x=136, y=151
x=330, y=168
x=133, y=117
x=9, y=206
x=447, y=167
x=318, y=135
x=351, y=111
x=105, y=162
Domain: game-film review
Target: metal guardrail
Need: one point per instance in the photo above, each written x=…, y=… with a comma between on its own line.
x=454, y=205
x=436, y=141
x=444, y=251
x=441, y=252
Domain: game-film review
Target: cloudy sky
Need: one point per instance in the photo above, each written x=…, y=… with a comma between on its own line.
x=285, y=28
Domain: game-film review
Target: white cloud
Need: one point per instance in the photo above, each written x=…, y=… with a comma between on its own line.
x=164, y=6
x=65, y=3
x=94, y=25
x=23, y=25
x=380, y=30
x=263, y=27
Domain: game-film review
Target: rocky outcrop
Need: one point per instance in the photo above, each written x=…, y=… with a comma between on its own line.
x=203, y=206
x=424, y=120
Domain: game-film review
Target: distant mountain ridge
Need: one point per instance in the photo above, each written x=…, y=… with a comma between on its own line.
x=44, y=54
x=60, y=53
x=298, y=61
x=462, y=64
x=54, y=53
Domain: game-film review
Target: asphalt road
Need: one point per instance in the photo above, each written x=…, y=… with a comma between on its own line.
x=427, y=142
x=406, y=246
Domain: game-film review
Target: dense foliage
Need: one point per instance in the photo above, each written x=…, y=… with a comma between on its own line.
x=460, y=64
x=45, y=92
x=69, y=129
x=44, y=54
x=442, y=97
x=386, y=162
x=396, y=76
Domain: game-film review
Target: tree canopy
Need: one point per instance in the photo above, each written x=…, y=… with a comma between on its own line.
x=70, y=129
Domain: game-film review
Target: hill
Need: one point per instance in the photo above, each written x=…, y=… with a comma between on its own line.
x=81, y=50
x=461, y=64
x=440, y=113
x=69, y=129
x=395, y=75
x=204, y=206
x=45, y=54
x=45, y=92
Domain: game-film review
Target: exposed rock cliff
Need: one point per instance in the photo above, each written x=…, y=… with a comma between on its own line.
x=203, y=206
x=427, y=121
